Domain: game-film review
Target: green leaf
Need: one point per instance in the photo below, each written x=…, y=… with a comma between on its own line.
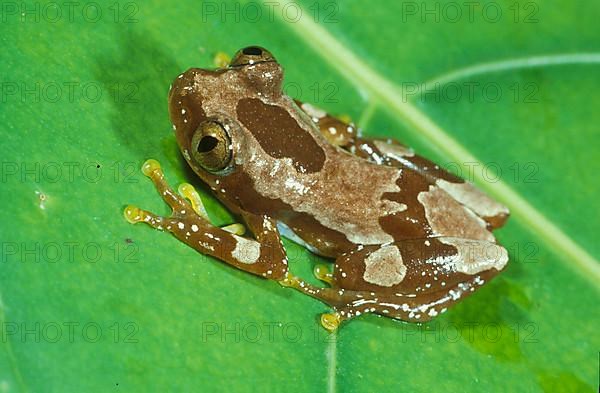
x=90, y=303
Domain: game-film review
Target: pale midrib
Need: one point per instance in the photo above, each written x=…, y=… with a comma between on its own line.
x=332, y=362
x=512, y=64
x=10, y=354
x=391, y=97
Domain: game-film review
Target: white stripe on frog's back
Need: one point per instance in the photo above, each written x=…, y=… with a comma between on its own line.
x=384, y=267
x=393, y=150
x=473, y=198
x=447, y=217
x=475, y=256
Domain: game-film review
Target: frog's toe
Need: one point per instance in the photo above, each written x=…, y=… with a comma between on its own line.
x=188, y=191
x=152, y=169
x=134, y=214
x=221, y=60
x=323, y=273
x=236, y=229
x=331, y=321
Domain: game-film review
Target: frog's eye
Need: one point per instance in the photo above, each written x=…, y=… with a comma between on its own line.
x=211, y=146
x=251, y=55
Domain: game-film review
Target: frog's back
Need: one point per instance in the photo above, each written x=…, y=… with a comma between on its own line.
x=354, y=202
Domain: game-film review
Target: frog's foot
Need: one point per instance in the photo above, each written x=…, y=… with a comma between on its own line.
x=181, y=208
x=331, y=321
x=346, y=304
x=359, y=306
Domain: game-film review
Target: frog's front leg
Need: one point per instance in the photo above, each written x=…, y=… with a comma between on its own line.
x=264, y=256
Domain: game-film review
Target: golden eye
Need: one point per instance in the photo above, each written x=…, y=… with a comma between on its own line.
x=251, y=55
x=211, y=146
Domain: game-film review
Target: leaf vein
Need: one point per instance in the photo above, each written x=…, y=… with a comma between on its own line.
x=513, y=64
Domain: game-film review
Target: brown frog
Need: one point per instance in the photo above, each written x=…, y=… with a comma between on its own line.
x=408, y=238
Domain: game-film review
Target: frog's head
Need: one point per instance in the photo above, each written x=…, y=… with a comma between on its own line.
x=203, y=106
x=235, y=121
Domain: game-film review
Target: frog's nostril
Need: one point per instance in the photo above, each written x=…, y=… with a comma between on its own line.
x=207, y=143
x=252, y=51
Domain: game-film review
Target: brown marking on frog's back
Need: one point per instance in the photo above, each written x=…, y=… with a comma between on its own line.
x=432, y=170
x=393, y=153
x=415, y=256
x=279, y=135
x=410, y=223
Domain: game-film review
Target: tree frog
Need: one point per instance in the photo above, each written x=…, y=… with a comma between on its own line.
x=407, y=239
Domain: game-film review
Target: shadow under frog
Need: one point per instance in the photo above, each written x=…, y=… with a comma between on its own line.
x=137, y=79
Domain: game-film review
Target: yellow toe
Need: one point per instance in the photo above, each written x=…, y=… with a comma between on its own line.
x=132, y=214
x=236, y=229
x=150, y=166
x=330, y=321
x=322, y=273
x=188, y=191
x=221, y=60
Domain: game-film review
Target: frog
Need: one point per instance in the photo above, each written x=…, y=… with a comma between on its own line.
x=405, y=238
